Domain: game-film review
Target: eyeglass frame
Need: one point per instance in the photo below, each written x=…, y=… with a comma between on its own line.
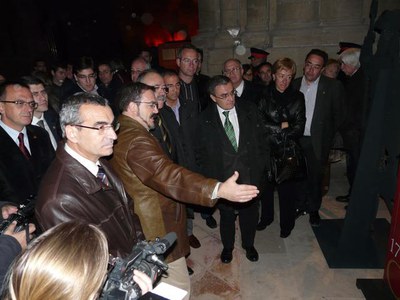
x=88, y=77
x=151, y=104
x=233, y=70
x=102, y=128
x=21, y=103
x=225, y=96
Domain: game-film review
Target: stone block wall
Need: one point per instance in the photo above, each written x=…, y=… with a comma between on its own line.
x=282, y=27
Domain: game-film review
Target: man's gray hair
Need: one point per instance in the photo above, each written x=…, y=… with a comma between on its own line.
x=351, y=57
x=69, y=113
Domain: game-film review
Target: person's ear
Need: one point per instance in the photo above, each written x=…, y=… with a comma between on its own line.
x=71, y=133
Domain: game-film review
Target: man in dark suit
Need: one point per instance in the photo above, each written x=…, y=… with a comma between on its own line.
x=245, y=90
x=43, y=116
x=357, y=106
x=229, y=137
x=26, y=150
x=324, y=112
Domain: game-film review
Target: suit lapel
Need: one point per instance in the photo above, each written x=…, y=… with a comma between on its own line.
x=319, y=99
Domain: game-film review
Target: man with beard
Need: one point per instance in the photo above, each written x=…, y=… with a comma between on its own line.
x=158, y=185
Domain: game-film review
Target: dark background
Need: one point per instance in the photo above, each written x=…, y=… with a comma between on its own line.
x=103, y=29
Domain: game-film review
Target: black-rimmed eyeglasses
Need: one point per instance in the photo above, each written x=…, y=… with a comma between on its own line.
x=225, y=96
x=21, y=103
x=152, y=104
x=101, y=128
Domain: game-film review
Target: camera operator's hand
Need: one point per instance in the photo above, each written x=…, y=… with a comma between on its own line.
x=20, y=236
x=143, y=281
x=8, y=210
x=234, y=192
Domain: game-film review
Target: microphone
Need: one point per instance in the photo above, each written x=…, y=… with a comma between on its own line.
x=162, y=245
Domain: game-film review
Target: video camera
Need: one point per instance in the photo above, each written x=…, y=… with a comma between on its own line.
x=22, y=216
x=145, y=257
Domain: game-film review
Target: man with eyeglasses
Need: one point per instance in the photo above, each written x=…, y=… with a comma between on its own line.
x=85, y=77
x=174, y=138
x=324, y=112
x=188, y=60
x=158, y=185
x=80, y=184
x=43, y=116
x=229, y=138
x=26, y=150
x=183, y=118
x=246, y=90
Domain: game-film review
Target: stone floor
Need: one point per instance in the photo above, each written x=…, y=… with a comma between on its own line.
x=292, y=269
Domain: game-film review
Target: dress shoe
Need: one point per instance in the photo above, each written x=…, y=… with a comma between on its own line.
x=194, y=242
x=344, y=198
x=300, y=213
x=285, y=234
x=211, y=222
x=190, y=270
x=251, y=253
x=262, y=225
x=315, y=219
x=226, y=256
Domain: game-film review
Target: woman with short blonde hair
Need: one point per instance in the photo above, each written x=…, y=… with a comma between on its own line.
x=68, y=261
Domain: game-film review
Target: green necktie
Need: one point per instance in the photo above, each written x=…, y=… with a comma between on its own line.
x=229, y=130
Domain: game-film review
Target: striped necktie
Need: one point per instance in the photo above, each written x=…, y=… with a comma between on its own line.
x=230, y=132
x=102, y=178
x=164, y=134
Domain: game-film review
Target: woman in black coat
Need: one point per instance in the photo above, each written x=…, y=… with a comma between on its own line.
x=282, y=110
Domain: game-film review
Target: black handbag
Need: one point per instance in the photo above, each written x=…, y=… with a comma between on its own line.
x=288, y=162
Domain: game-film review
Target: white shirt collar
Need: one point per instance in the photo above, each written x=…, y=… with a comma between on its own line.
x=14, y=133
x=239, y=89
x=88, y=164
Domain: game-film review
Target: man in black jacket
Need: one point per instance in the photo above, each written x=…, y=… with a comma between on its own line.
x=229, y=139
x=26, y=150
x=324, y=113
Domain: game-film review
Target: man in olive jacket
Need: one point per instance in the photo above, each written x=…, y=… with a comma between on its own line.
x=157, y=184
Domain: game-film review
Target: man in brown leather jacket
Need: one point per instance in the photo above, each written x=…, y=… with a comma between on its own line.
x=70, y=189
x=157, y=184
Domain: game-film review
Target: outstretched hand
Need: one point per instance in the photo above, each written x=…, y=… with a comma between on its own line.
x=234, y=192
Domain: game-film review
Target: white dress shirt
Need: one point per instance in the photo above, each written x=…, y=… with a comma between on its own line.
x=47, y=128
x=14, y=135
x=310, y=96
x=233, y=118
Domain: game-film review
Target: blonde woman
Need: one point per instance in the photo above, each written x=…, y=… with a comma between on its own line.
x=68, y=261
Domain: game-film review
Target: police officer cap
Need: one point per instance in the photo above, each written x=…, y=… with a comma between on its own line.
x=258, y=53
x=345, y=45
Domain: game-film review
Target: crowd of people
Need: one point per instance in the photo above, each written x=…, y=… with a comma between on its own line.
x=112, y=159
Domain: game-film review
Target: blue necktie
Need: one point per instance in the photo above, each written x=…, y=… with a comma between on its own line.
x=102, y=177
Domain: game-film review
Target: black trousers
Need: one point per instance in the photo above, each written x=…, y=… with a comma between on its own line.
x=287, y=193
x=248, y=219
x=310, y=189
x=352, y=146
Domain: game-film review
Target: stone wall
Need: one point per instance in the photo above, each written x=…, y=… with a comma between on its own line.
x=282, y=27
